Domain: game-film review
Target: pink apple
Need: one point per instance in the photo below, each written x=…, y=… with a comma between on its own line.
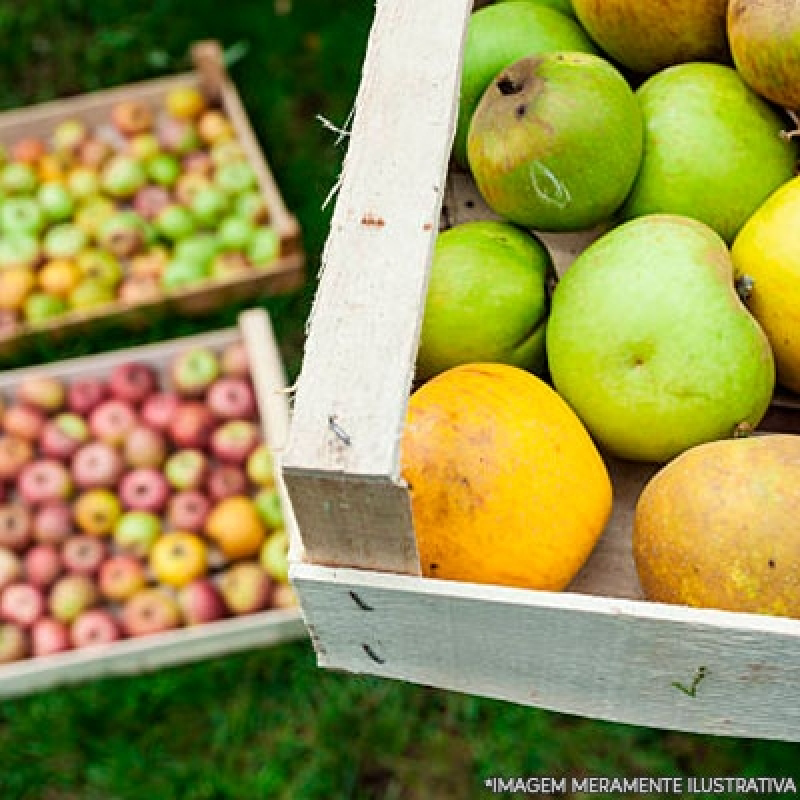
x=121, y=576
x=246, y=588
x=14, y=643
x=84, y=395
x=83, y=554
x=15, y=453
x=49, y=636
x=188, y=511
x=191, y=425
x=15, y=527
x=159, y=409
x=284, y=597
x=201, y=602
x=226, y=480
x=97, y=465
x=44, y=393
x=70, y=595
x=43, y=564
x=132, y=382
x=150, y=200
x=62, y=435
x=44, y=481
x=94, y=627
x=235, y=362
x=21, y=604
x=150, y=611
x=186, y=469
x=23, y=421
x=10, y=567
x=144, y=489
x=145, y=447
x=232, y=398
x=52, y=523
x=234, y=441
x=112, y=421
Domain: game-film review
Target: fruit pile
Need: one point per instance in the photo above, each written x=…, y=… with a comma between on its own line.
x=672, y=148
x=155, y=200
x=134, y=504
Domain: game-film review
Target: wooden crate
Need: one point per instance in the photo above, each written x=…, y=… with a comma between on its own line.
x=598, y=650
x=137, y=655
x=285, y=274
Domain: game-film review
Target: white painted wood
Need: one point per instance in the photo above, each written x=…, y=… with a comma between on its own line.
x=358, y=368
x=612, y=659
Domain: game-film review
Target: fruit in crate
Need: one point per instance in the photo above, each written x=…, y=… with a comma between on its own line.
x=489, y=452
x=672, y=361
x=764, y=254
x=764, y=44
x=499, y=35
x=487, y=299
x=717, y=527
x=713, y=148
x=530, y=140
x=235, y=526
x=646, y=37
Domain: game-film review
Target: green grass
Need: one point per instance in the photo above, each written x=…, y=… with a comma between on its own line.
x=269, y=724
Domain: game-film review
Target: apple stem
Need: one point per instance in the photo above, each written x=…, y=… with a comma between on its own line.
x=796, y=121
x=744, y=287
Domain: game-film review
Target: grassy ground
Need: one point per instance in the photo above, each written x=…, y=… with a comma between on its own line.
x=269, y=724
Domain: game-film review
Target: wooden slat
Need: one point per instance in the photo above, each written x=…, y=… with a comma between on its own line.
x=612, y=659
x=358, y=366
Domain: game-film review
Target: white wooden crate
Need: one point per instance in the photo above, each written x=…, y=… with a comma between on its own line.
x=137, y=655
x=598, y=650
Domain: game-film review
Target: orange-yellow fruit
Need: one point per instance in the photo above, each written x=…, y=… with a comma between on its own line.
x=506, y=485
x=59, y=277
x=178, y=558
x=16, y=283
x=235, y=527
x=185, y=102
x=717, y=527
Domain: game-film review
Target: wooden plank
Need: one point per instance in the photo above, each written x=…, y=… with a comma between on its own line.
x=358, y=367
x=621, y=660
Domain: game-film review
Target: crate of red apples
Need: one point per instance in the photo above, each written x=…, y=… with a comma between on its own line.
x=121, y=204
x=139, y=503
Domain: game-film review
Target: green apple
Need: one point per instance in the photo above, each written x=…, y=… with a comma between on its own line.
x=56, y=201
x=18, y=178
x=499, y=35
x=174, y=223
x=93, y=212
x=235, y=233
x=83, y=182
x=163, y=169
x=22, y=215
x=137, y=531
x=123, y=176
x=43, y=306
x=19, y=249
x=64, y=240
x=539, y=159
x=261, y=467
x=564, y=6
x=235, y=177
x=487, y=299
x=713, y=148
x=181, y=274
x=650, y=344
x=199, y=248
x=270, y=508
x=100, y=266
x=209, y=205
x=274, y=556
x=251, y=205
x=265, y=246
x=90, y=293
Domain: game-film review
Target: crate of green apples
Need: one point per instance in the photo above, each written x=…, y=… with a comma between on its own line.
x=149, y=199
x=141, y=520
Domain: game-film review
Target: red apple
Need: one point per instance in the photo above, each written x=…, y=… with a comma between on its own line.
x=131, y=117
x=44, y=393
x=43, y=564
x=23, y=421
x=232, y=398
x=15, y=527
x=144, y=489
x=159, y=409
x=145, y=447
x=201, y=602
x=97, y=465
x=94, y=627
x=85, y=394
x=94, y=153
x=70, y=595
x=44, y=481
x=132, y=382
x=14, y=643
x=112, y=421
x=200, y=163
x=246, y=588
x=149, y=201
x=150, y=611
x=52, y=523
x=21, y=604
x=226, y=480
x=121, y=576
x=234, y=441
x=235, y=362
x=49, y=636
x=138, y=289
x=10, y=567
x=62, y=435
x=191, y=425
x=188, y=511
x=83, y=554
x=15, y=453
